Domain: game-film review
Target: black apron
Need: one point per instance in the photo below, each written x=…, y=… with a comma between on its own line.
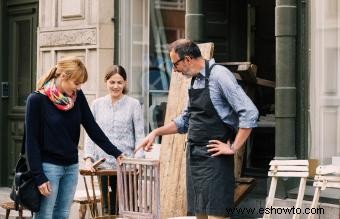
x=210, y=180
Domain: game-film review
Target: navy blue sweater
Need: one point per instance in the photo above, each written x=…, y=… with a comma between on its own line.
x=52, y=135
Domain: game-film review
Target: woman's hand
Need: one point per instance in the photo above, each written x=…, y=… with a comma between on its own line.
x=89, y=165
x=217, y=148
x=45, y=189
x=120, y=159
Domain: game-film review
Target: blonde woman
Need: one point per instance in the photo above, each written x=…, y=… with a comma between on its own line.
x=54, y=114
x=121, y=119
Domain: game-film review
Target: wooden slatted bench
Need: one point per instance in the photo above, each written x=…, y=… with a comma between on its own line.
x=327, y=176
x=287, y=168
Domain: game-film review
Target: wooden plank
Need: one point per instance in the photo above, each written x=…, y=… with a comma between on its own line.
x=289, y=168
x=288, y=162
x=140, y=188
x=130, y=189
x=327, y=184
x=271, y=195
x=172, y=157
x=234, y=63
x=245, y=66
x=327, y=169
x=101, y=172
x=328, y=178
x=144, y=189
x=245, y=180
x=124, y=184
x=238, y=161
x=157, y=192
x=242, y=189
x=288, y=174
x=135, y=188
x=314, y=202
x=259, y=81
x=265, y=83
x=248, y=73
x=141, y=161
x=299, y=198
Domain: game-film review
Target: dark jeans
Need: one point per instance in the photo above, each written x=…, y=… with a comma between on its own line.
x=111, y=209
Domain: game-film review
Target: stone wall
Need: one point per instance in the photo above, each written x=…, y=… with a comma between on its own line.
x=82, y=28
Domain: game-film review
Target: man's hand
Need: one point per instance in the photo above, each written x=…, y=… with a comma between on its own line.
x=217, y=148
x=45, y=189
x=146, y=144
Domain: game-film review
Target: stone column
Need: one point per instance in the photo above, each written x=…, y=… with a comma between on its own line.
x=285, y=91
x=194, y=21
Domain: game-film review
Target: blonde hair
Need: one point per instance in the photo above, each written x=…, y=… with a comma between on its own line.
x=71, y=66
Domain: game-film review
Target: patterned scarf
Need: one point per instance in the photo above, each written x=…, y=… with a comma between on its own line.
x=61, y=101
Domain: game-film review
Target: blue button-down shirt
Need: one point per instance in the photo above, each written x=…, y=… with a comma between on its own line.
x=230, y=101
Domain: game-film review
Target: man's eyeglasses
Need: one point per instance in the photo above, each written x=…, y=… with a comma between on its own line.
x=177, y=62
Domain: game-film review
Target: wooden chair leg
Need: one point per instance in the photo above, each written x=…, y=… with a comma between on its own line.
x=7, y=213
x=299, y=199
x=20, y=214
x=315, y=202
x=271, y=195
x=82, y=211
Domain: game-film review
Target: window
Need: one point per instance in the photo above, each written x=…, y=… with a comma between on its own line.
x=146, y=27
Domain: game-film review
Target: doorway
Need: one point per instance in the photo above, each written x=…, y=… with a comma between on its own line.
x=18, y=77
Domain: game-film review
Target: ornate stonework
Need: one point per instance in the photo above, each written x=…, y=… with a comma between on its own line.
x=68, y=38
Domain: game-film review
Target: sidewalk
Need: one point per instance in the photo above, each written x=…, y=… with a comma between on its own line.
x=5, y=191
x=4, y=197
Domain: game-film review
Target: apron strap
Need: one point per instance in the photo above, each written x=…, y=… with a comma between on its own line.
x=207, y=74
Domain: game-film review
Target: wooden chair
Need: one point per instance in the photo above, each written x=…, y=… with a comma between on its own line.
x=8, y=206
x=138, y=188
x=287, y=168
x=93, y=195
x=81, y=198
x=327, y=176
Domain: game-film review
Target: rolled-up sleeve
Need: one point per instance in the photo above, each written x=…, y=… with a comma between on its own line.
x=182, y=121
x=238, y=100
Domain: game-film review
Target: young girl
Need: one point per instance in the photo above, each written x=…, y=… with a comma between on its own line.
x=53, y=117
